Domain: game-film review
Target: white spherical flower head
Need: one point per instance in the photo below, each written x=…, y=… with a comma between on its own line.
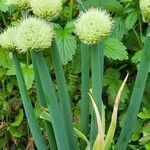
x=47, y=8
x=21, y=4
x=145, y=8
x=34, y=34
x=7, y=40
x=93, y=25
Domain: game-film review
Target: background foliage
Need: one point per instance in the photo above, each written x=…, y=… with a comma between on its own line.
x=123, y=50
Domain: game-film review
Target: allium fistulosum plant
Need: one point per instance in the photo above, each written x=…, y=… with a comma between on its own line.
x=34, y=35
x=91, y=27
x=7, y=41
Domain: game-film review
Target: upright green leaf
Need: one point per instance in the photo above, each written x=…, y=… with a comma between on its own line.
x=31, y=118
x=63, y=95
x=52, y=101
x=136, y=97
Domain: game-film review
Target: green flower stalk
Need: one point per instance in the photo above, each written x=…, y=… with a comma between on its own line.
x=33, y=34
x=145, y=8
x=36, y=35
x=7, y=41
x=91, y=27
x=63, y=96
x=85, y=77
x=7, y=38
x=42, y=101
x=21, y=4
x=47, y=9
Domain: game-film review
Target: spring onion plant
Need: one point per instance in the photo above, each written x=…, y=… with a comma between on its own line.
x=7, y=41
x=33, y=35
x=37, y=39
x=91, y=27
x=139, y=86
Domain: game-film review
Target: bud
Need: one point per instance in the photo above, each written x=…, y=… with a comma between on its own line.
x=47, y=9
x=7, y=38
x=93, y=25
x=33, y=34
x=21, y=4
x=145, y=8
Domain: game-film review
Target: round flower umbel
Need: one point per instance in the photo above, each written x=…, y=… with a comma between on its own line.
x=145, y=8
x=34, y=34
x=7, y=38
x=21, y=4
x=47, y=8
x=93, y=25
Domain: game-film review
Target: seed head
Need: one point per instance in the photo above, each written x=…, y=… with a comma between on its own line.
x=7, y=38
x=33, y=34
x=93, y=25
x=47, y=8
x=145, y=8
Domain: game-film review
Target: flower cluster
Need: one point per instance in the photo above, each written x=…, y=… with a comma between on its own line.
x=145, y=8
x=93, y=25
x=33, y=34
x=48, y=8
x=7, y=38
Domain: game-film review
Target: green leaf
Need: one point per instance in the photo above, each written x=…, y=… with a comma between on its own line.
x=27, y=72
x=119, y=29
x=28, y=75
x=131, y=19
x=2, y=71
x=113, y=5
x=113, y=89
x=145, y=114
x=115, y=49
x=15, y=132
x=113, y=83
x=45, y=116
x=110, y=75
x=3, y=6
x=5, y=60
x=137, y=57
x=147, y=146
x=18, y=119
x=66, y=43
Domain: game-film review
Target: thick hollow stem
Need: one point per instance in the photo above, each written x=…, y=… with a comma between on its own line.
x=42, y=101
x=32, y=121
x=52, y=102
x=63, y=96
x=84, y=91
x=97, y=62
